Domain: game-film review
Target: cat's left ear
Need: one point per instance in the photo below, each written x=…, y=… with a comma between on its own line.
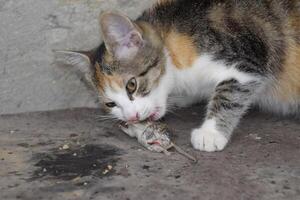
x=81, y=61
x=121, y=36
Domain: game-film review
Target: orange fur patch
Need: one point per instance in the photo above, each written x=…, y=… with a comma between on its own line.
x=182, y=50
x=113, y=81
x=289, y=81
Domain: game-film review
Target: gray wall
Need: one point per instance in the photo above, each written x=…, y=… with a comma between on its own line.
x=29, y=31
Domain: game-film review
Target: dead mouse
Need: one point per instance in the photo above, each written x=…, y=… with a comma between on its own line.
x=154, y=136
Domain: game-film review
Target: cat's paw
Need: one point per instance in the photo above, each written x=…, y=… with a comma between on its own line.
x=208, y=139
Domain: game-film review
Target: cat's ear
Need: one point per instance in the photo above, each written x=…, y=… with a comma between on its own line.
x=121, y=36
x=81, y=61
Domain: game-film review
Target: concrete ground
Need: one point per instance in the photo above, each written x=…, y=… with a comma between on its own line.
x=70, y=154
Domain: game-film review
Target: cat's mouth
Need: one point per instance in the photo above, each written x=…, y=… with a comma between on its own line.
x=154, y=116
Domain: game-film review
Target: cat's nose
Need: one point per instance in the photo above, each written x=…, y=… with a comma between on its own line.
x=134, y=118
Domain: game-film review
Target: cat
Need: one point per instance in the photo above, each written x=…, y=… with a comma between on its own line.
x=234, y=54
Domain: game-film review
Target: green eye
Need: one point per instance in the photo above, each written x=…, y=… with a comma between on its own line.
x=111, y=104
x=131, y=86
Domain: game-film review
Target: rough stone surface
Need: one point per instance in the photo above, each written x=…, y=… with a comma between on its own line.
x=70, y=155
x=30, y=30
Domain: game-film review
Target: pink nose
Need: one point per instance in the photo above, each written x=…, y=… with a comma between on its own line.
x=134, y=118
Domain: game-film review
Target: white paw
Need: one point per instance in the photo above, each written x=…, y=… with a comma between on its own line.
x=208, y=139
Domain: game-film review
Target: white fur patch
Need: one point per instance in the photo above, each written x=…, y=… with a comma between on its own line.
x=203, y=76
x=208, y=138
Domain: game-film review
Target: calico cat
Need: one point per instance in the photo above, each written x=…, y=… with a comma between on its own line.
x=234, y=54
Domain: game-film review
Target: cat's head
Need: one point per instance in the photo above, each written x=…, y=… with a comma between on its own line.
x=127, y=70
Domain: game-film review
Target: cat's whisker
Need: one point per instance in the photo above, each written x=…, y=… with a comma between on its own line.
x=106, y=117
x=103, y=117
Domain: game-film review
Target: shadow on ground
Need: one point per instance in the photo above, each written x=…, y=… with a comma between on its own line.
x=70, y=154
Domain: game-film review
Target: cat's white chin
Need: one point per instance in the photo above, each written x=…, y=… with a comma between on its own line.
x=208, y=138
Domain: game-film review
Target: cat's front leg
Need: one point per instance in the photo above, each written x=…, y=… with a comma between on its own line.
x=229, y=102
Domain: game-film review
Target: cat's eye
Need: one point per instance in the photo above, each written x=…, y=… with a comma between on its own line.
x=111, y=104
x=131, y=86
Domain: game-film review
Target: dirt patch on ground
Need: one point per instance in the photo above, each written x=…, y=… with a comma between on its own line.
x=76, y=162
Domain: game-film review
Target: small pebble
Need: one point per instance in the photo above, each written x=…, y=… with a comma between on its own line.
x=146, y=167
x=255, y=136
x=73, y=135
x=78, y=178
x=65, y=147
